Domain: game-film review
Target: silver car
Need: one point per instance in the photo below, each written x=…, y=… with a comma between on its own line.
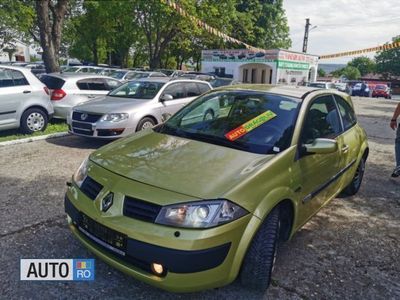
x=134, y=106
x=68, y=90
x=24, y=100
x=126, y=75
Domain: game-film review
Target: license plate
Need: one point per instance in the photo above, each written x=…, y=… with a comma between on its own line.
x=108, y=238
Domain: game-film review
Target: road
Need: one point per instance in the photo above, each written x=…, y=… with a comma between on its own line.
x=349, y=250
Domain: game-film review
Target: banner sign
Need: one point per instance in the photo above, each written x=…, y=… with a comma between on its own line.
x=250, y=125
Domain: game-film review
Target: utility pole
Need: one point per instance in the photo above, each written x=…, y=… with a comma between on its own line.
x=307, y=29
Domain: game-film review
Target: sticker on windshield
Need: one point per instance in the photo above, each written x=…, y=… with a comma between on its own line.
x=250, y=125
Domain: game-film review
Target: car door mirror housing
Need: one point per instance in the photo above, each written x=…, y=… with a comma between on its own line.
x=321, y=146
x=166, y=97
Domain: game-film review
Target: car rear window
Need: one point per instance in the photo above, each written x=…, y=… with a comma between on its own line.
x=53, y=83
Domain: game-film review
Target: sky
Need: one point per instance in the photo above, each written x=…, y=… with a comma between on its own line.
x=342, y=25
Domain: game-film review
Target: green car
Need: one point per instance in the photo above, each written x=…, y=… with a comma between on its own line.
x=196, y=202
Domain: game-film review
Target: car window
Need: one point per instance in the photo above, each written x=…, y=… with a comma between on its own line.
x=93, y=84
x=192, y=90
x=321, y=121
x=53, y=83
x=130, y=75
x=111, y=84
x=203, y=87
x=347, y=113
x=19, y=78
x=6, y=79
x=176, y=90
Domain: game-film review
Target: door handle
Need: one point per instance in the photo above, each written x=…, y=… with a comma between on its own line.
x=345, y=148
x=26, y=92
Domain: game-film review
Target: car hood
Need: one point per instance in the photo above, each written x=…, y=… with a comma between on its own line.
x=102, y=105
x=189, y=167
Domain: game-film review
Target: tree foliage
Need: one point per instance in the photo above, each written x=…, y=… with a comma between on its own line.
x=388, y=61
x=364, y=64
x=141, y=32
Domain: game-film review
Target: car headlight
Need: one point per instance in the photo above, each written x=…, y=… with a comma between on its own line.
x=114, y=117
x=202, y=214
x=81, y=173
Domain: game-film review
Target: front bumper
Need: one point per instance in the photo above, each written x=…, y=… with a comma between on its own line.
x=194, y=260
x=102, y=130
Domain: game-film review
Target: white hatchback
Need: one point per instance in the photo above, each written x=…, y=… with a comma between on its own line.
x=24, y=100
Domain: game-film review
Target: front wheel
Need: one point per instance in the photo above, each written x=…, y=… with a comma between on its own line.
x=32, y=120
x=145, y=123
x=259, y=261
x=355, y=183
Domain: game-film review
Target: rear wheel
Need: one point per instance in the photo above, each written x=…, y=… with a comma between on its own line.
x=32, y=120
x=259, y=261
x=355, y=183
x=145, y=123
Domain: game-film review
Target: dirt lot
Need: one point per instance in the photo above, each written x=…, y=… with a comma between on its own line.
x=350, y=250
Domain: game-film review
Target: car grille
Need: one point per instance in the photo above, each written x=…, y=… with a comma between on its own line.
x=82, y=131
x=138, y=209
x=91, y=118
x=91, y=188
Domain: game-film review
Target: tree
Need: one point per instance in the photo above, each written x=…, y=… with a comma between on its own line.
x=388, y=61
x=321, y=73
x=364, y=64
x=16, y=19
x=351, y=73
x=160, y=25
x=50, y=18
x=270, y=28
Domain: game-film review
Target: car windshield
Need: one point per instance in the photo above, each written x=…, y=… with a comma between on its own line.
x=317, y=85
x=381, y=87
x=137, y=90
x=220, y=82
x=118, y=74
x=71, y=69
x=256, y=122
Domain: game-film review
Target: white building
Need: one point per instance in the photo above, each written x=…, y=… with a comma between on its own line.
x=21, y=53
x=275, y=66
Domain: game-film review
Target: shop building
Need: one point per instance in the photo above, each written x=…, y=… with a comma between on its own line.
x=275, y=66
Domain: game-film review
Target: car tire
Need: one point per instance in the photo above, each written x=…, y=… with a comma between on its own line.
x=259, y=261
x=145, y=123
x=353, y=187
x=208, y=115
x=34, y=119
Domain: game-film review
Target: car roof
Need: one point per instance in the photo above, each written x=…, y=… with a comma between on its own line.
x=285, y=90
x=23, y=69
x=167, y=79
x=77, y=76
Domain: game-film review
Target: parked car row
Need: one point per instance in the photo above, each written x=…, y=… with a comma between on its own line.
x=360, y=89
x=93, y=105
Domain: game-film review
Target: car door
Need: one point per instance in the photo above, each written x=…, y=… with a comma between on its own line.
x=349, y=140
x=179, y=99
x=14, y=90
x=316, y=172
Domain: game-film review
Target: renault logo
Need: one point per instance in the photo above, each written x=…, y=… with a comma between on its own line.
x=107, y=202
x=84, y=116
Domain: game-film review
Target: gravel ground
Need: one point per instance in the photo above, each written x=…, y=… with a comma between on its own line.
x=349, y=250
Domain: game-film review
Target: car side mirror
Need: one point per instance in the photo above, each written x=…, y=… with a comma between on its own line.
x=321, y=146
x=166, y=97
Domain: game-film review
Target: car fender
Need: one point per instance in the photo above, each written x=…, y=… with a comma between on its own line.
x=270, y=201
x=37, y=101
